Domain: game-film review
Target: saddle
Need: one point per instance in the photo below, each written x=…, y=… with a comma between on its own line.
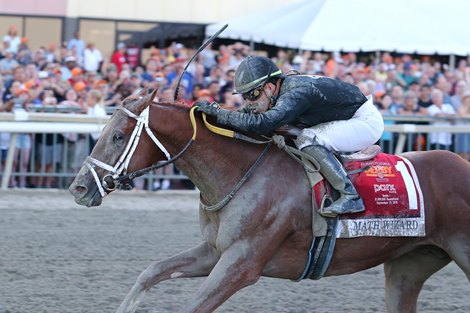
x=392, y=197
x=366, y=154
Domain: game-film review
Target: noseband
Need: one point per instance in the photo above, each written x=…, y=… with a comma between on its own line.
x=117, y=178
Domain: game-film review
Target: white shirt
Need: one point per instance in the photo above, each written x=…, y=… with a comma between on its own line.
x=441, y=138
x=92, y=60
x=96, y=111
x=14, y=42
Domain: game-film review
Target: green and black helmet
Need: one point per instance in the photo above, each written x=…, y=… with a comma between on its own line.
x=253, y=72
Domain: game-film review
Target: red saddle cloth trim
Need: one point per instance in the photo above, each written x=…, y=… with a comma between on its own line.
x=387, y=188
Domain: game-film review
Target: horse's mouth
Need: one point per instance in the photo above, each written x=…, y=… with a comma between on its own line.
x=89, y=201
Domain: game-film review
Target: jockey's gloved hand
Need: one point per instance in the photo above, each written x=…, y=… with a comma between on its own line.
x=210, y=108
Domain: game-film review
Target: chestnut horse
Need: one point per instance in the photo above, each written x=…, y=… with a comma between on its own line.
x=265, y=230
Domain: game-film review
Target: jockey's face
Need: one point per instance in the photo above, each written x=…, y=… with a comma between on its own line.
x=263, y=102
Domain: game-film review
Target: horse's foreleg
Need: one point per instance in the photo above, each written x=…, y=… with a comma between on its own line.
x=238, y=267
x=405, y=276
x=195, y=262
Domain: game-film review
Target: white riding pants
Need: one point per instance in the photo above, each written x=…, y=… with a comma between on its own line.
x=362, y=130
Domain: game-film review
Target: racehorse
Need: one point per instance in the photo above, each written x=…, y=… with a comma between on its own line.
x=265, y=229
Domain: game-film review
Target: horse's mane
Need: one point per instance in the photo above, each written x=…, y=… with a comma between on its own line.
x=179, y=106
x=176, y=104
x=135, y=99
x=183, y=107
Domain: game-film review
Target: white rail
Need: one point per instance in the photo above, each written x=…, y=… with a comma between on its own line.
x=27, y=122
x=30, y=122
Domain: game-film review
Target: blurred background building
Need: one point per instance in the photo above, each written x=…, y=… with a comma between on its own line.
x=138, y=23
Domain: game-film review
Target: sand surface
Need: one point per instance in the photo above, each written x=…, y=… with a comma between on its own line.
x=58, y=257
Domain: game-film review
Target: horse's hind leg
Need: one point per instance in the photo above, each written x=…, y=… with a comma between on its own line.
x=405, y=276
x=460, y=253
x=195, y=262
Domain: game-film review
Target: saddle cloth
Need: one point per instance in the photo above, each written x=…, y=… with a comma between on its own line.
x=392, y=197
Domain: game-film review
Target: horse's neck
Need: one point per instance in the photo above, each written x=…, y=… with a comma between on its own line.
x=213, y=163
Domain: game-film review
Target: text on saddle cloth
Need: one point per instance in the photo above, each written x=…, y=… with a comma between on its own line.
x=392, y=197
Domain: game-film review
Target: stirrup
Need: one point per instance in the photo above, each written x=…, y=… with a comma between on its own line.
x=353, y=207
x=326, y=198
x=328, y=214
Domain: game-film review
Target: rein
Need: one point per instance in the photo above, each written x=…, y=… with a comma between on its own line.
x=212, y=128
x=118, y=178
x=277, y=139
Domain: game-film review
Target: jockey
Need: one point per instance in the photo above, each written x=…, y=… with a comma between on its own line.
x=333, y=116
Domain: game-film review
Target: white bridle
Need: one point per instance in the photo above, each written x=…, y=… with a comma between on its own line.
x=121, y=165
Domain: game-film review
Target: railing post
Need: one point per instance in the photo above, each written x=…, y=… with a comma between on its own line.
x=400, y=143
x=9, y=161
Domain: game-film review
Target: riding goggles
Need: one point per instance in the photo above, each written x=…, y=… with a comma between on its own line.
x=254, y=94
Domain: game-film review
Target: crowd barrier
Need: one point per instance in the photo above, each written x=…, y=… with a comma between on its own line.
x=402, y=133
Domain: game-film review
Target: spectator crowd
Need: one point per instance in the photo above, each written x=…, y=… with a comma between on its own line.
x=75, y=77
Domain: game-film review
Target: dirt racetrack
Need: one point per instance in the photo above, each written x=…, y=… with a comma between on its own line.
x=58, y=257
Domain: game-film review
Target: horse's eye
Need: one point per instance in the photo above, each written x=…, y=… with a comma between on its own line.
x=117, y=137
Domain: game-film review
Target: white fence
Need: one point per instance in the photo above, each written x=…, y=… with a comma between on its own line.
x=58, y=123
x=24, y=122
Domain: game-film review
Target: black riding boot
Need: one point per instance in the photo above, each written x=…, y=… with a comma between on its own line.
x=349, y=201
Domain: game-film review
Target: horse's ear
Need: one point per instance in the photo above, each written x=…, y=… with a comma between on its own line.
x=138, y=101
x=143, y=92
x=154, y=94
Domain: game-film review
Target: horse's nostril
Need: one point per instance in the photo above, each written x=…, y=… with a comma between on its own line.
x=79, y=190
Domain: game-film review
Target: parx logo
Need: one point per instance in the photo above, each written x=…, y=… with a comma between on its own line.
x=384, y=187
